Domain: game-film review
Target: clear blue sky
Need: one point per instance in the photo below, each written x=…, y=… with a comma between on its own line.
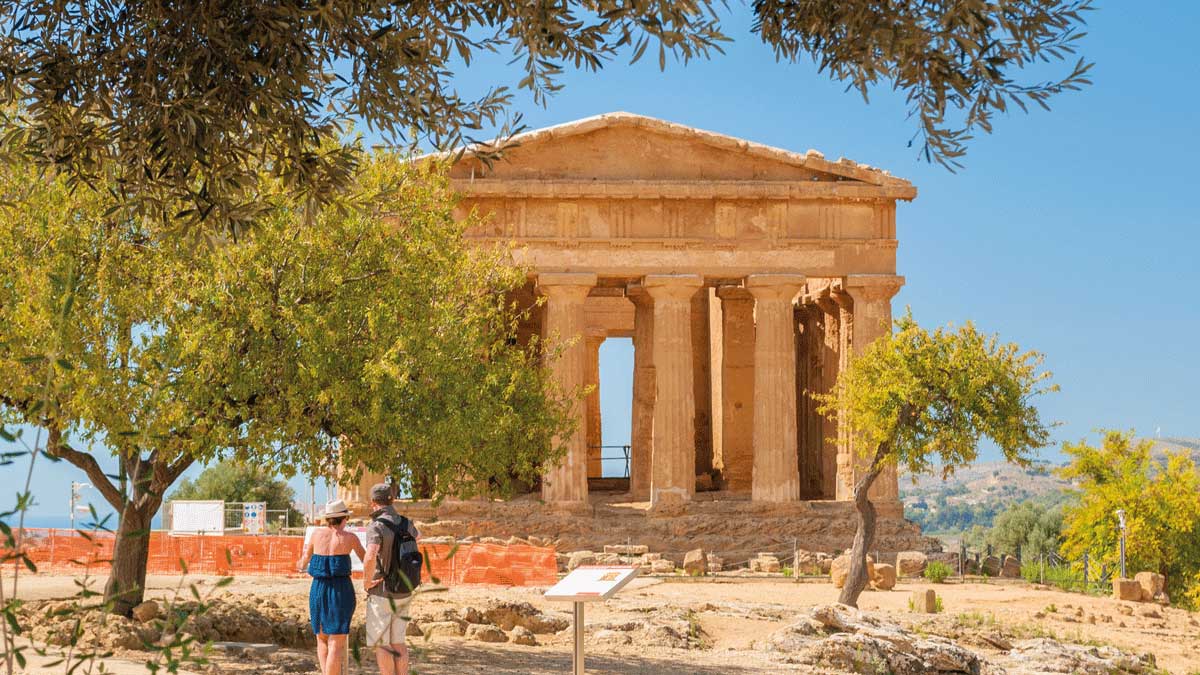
x=1073, y=232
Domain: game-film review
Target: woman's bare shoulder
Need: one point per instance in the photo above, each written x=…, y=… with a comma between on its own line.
x=347, y=538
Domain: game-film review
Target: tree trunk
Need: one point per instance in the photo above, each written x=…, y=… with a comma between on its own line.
x=127, y=582
x=864, y=536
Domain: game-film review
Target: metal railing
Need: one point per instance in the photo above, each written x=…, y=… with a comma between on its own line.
x=1082, y=575
x=275, y=522
x=622, y=455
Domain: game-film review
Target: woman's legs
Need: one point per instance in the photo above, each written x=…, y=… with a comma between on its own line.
x=322, y=650
x=336, y=654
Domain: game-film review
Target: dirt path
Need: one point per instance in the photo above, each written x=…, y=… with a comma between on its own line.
x=735, y=617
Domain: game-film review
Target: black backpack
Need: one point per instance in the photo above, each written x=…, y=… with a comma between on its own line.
x=403, y=574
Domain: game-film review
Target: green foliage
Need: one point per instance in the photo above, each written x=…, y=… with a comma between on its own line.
x=173, y=108
x=937, y=571
x=1067, y=576
x=379, y=326
x=1161, y=501
x=1029, y=527
x=944, y=55
x=914, y=398
x=952, y=517
x=233, y=481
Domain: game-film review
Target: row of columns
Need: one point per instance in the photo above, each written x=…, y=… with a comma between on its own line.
x=764, y=418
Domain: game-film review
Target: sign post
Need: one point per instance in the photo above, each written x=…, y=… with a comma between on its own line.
x=587, y=584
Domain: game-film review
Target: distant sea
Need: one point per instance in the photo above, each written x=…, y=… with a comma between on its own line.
x=48, y=520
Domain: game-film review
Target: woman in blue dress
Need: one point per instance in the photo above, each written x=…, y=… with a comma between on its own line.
x=331, y=598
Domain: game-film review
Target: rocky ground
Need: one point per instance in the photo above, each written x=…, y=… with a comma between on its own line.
x=669, y=625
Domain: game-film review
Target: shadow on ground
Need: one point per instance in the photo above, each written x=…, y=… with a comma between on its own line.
x=467, y=658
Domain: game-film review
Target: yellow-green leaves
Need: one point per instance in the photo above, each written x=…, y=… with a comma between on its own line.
x=1161, y=500
x=375, y=325
x=931, y=397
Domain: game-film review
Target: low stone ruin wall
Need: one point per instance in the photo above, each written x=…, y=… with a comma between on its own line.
x=737, y=531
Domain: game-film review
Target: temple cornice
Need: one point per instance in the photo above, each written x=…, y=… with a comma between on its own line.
x=680, y=189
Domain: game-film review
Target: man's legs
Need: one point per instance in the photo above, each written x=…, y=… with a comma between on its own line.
x=392, y=659
x=401, y=658
x=387, y=621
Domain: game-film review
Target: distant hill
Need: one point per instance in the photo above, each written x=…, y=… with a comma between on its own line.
x=1174, y=445
x=975, y=494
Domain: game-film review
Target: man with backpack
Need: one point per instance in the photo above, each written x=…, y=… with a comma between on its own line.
x=391, y=571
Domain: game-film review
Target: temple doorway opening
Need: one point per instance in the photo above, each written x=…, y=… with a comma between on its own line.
x=615, y=411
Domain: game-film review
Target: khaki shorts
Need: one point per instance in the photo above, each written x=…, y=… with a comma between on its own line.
x=385, y=625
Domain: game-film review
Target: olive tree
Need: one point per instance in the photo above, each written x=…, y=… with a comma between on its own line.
x=172, y=108
x=379, y=326
x=923, y=401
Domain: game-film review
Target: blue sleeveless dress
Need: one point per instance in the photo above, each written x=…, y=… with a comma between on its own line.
x=331, y=598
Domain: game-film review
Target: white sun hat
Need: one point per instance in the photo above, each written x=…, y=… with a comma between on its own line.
x=335, y=509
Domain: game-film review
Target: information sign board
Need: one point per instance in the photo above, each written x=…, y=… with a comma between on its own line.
x=592, y=582
x=254, y=517
x=197, y=516
x=585, y=584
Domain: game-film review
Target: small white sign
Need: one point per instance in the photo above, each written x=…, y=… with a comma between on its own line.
x=254, y=517
x=197, y=516
x=592, y=582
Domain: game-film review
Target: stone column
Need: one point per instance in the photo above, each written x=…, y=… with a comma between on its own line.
x=810, y=338
x=641, y=437
x=566, y=482
x=673, y=478
x=776, y=472
x=737, y=387
x=702, y=380
x=595, y=467
x=839, y=324
x=872, y=305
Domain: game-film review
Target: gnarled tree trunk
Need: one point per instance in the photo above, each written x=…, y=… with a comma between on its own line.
x=864, y=536
x=126, y=585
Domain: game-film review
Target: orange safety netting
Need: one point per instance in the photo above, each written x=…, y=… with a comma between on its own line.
x=468, y=563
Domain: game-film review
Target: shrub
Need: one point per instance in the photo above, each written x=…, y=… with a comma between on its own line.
x=937, y=571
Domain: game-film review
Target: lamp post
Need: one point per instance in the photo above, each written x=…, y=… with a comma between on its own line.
x=1121, y=520
x=76, y=487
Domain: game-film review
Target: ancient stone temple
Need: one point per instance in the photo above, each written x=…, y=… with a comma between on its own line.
x=747, y=277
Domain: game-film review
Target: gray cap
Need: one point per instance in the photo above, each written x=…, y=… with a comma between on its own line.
x=381, y=493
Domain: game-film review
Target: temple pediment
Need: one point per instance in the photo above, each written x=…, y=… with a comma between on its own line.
x=619, y=153
x=623, y=195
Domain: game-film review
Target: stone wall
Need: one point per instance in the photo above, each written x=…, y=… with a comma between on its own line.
x=734, y=530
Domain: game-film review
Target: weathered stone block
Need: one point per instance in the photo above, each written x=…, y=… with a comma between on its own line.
x=523, y=636
x=486, y=633
x=1127, y=589
x=765, y=562
x=579, y=558
x=925, y=602
x=884, y=578
x=840, y=568
x=627, y=549
x=1152, y=584
x=910, y=563
x=146, y=611
x=695, y=563
x=662, y=567
x=811, y=562
x=838, y=571
x=435, y=629
x=1011, y=568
